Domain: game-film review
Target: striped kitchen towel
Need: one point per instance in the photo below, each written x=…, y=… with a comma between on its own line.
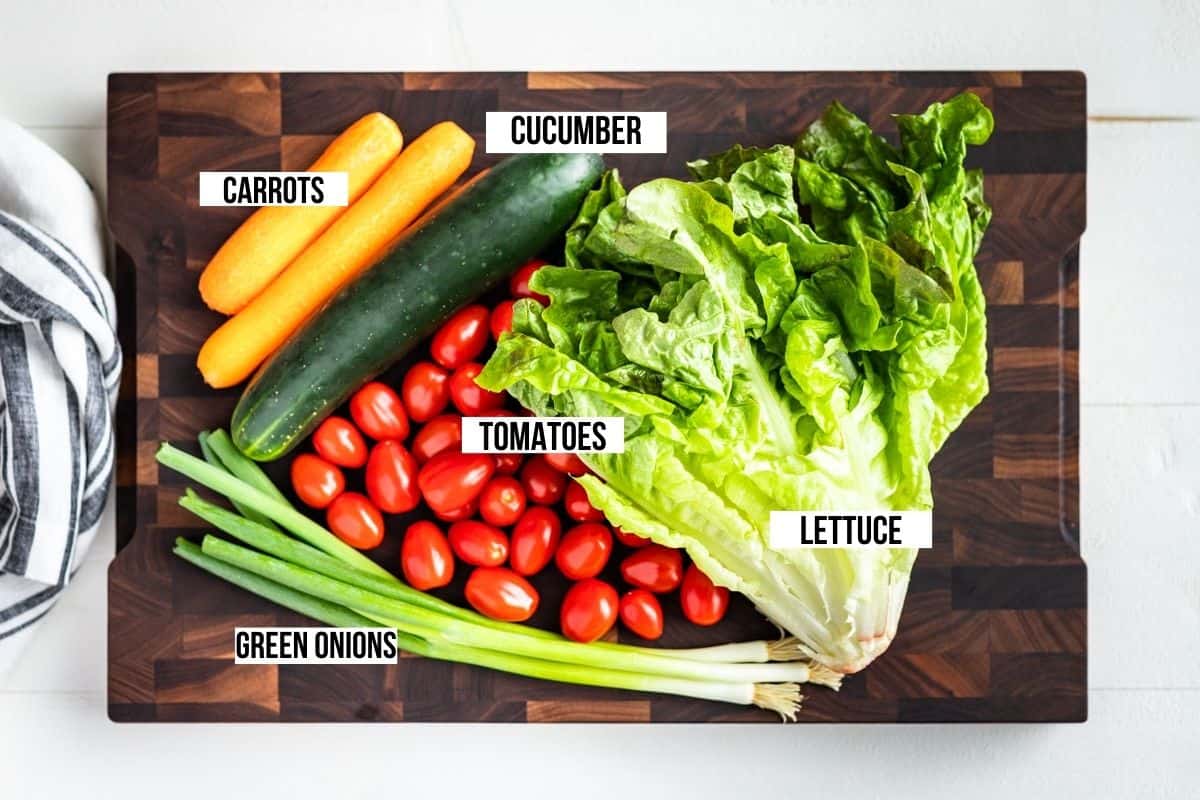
x=60, y=365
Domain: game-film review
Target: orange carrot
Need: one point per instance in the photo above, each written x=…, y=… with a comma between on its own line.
x=272, y=237
x=359, y=238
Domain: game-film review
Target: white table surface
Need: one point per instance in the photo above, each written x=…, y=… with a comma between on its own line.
x=1140, y=466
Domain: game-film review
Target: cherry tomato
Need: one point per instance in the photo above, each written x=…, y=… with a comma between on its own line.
x=509, y=463
x=579, y=508
x=655, y=568
x=462, y=338
x=451, y=479
x=355, y=520
x=316, y=481
x=703, y=602
x=392, y=478
x=502, y=316
x=469, y=397
x=378, y=412
x=584, y=551
x=502, y=501
x=425, y=391
x=478, y=543
x=543, y=484
x=425, y=556
x=567, y=462
x=440, y=433
x=642, y=613
x=459, y=514
x=339, y=442
x=501, y=594
x=533, y=541
x=588, y=611
x=518, y=284
x=630, y=539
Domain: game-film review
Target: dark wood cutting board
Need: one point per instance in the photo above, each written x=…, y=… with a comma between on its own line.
x=994, y=627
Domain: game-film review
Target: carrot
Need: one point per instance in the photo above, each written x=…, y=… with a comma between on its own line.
x=359, y=238
x=272, y=237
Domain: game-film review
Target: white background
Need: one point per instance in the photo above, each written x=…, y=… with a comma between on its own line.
x=1140, y=392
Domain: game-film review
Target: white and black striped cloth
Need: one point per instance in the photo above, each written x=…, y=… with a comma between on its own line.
x=60, y=366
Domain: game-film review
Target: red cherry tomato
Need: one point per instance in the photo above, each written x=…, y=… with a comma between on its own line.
x=459, y=514
x=642, y=613
x=316, y=481
x=378, y=412
x=567, y=462
x=518, y=284
x=451, y=479
x=579, y=508
x=509, y=463
x=502, y=501
x=630, y=539
x=501, y=594
x=425, y=391
x=425, y=556
x=655, y=568
x=462, y=338
x=392, y=478
x=502, y=316
x=543, y=484
x=703, y=602
x=469, y=397
x=339, y=442
x=440, y=433
x=584, y=551
x=355, y=520
x=533, y=541
x=588, y=611
x=478, y=543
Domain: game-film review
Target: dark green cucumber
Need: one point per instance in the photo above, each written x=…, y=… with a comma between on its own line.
x=476, y=239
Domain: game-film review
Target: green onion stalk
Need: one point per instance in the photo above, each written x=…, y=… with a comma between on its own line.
x=226, y=455
x=271, y=541
x=212, y=441
x=323, y=578
x=424, y=622
x=781, y=698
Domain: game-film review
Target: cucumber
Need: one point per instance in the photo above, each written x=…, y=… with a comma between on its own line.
x=477, y=238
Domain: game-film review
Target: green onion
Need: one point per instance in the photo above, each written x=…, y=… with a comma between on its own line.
x=424, y=622
x=309, y=606
x=327, y=580
x=236, y=463
x=783, y=699
x=386, y=584
x=302, y=555
x=210, y=455
x=279, y=545
x=266, y=503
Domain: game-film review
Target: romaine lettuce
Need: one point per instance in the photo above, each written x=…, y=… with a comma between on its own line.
x=764, y=362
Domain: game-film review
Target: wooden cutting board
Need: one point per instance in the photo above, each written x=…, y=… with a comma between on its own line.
x=994, y=627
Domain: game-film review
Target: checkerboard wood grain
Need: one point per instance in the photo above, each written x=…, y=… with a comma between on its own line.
x=994, y=627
